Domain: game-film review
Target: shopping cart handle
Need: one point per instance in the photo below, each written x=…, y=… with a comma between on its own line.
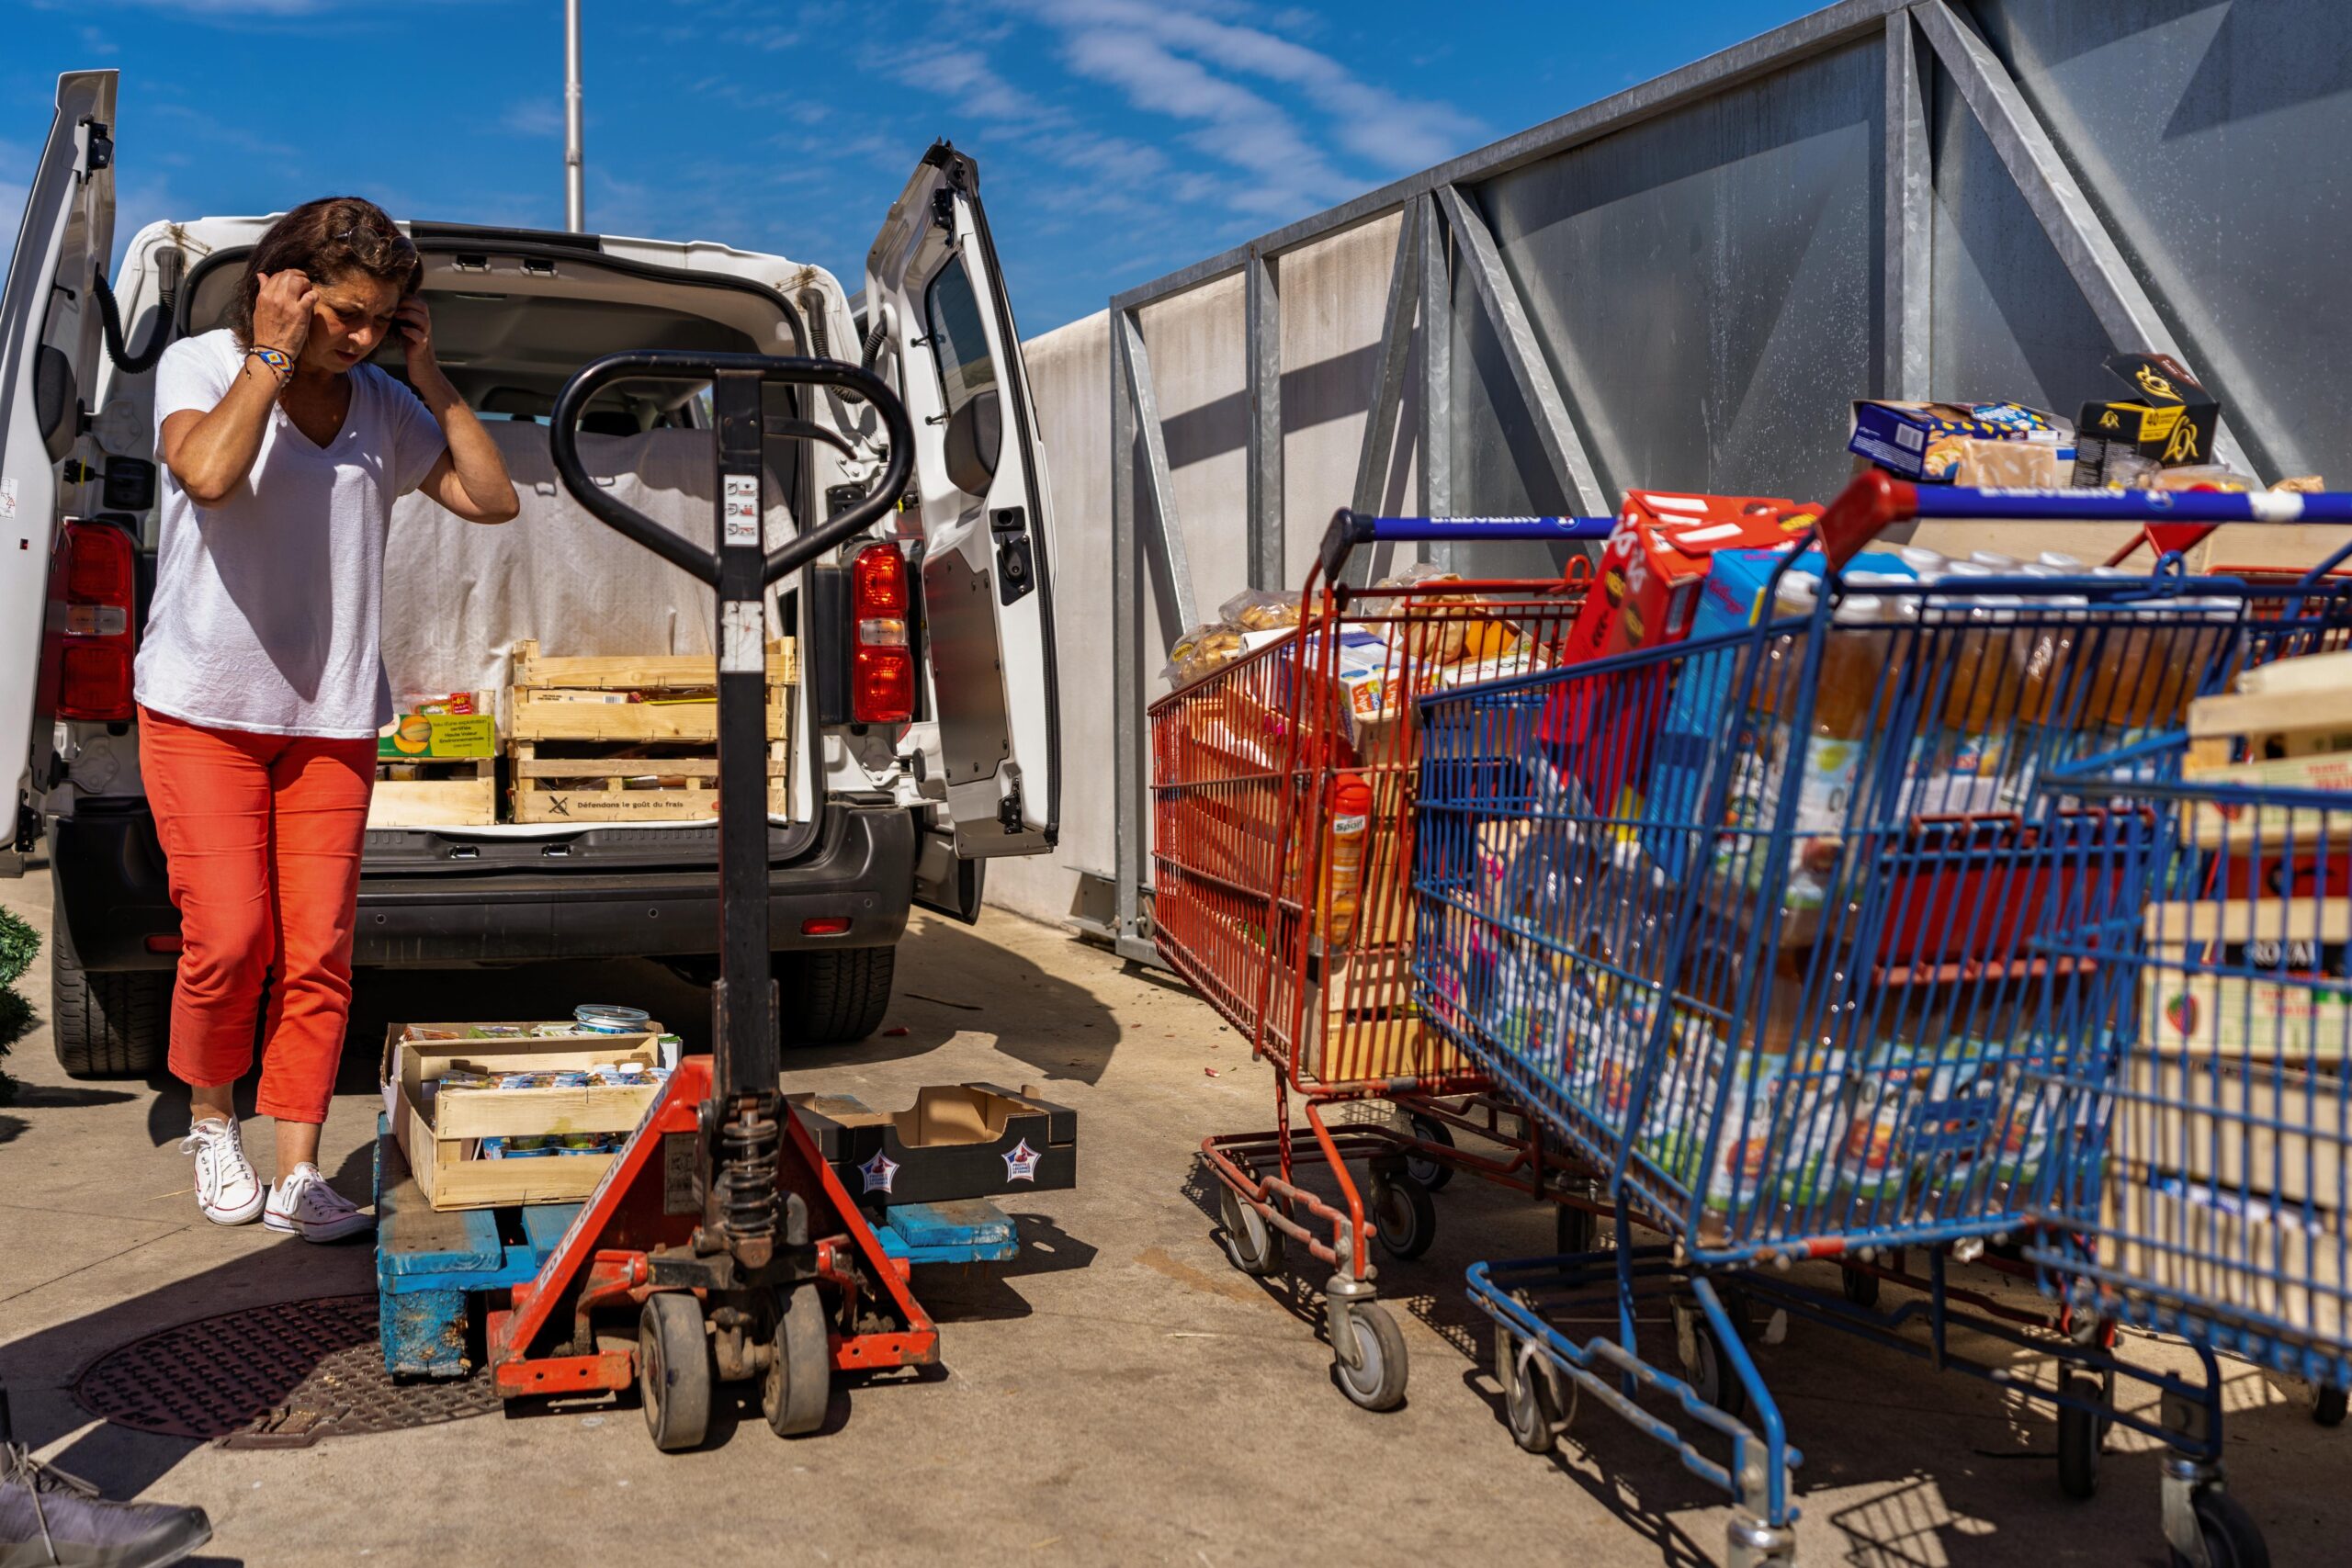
x=1875, y=499
x=1349, y=529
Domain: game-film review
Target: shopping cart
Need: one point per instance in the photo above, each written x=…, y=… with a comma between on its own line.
x=1769, y=896
x=2202, y=1191
x=1283, y=790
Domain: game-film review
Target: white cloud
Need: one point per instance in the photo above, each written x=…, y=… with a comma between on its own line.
x=539, y=117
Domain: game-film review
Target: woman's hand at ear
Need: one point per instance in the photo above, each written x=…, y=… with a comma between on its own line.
x=413, y=322
x=282, y=311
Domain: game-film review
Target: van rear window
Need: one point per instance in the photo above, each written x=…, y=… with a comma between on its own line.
x=958, y=342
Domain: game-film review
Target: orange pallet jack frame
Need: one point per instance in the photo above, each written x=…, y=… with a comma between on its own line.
x=1258, y=771
x=720, y=1246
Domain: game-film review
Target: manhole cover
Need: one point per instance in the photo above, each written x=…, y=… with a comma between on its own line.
x=277, y=1376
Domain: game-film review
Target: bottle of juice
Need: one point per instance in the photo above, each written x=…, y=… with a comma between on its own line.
x=1350, y=823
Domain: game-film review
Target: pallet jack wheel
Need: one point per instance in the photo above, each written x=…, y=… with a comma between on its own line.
x=1255, y=1246
x=1531, y=1403
x=2079, y=1432
x=799, y=1384
x=1378, y=1381
x=1432, y=1174
x=674, y=1370
x=1404, y=1219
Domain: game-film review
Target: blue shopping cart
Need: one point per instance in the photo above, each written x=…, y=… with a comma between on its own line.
x=1758, y=922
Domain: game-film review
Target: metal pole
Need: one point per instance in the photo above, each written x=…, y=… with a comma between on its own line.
x=575, y=196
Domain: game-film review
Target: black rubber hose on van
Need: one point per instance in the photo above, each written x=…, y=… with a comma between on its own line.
x=111, y=319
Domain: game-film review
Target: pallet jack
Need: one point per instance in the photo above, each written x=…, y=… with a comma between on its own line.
x=721, y=1224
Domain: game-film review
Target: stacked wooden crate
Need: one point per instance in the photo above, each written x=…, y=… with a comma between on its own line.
x=631, y=739
x=419, y=781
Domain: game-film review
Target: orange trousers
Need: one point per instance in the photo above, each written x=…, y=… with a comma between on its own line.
x=263, y=834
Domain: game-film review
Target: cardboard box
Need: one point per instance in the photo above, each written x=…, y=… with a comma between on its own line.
x=2202, y=1248
x=1651, y=567
x=2305, y=1017
x=418, y=736
x=438, y=1134
x=2168, y=418
x=2238, y=1127
x=1922, y=441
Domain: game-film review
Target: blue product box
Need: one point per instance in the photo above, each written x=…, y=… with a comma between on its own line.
x=1915, y=440
x=1689, y=735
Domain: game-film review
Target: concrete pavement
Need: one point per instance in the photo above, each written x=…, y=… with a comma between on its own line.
x=1119, y=1394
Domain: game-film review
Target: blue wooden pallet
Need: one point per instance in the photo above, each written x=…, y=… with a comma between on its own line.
x=955, y=1230
x=429, y=1262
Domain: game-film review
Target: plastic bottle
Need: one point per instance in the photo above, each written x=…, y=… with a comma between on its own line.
x=1351, y=824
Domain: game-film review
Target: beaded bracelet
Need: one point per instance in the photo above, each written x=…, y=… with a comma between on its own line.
x=276, y=359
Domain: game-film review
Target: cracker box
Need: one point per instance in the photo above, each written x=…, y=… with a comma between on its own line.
x=1652, y=565
x=1923, y=441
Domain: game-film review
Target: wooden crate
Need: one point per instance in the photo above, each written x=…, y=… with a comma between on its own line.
x=460, y=792
x=555, y=699
x=598, y=788
x=437, y=1134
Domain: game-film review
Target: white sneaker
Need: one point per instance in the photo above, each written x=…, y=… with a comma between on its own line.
x=303, y=1204
x=227, y=1190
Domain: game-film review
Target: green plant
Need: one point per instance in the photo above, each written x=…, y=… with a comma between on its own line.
x=19, y=945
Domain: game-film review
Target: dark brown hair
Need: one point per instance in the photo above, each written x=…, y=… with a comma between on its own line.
x=329, y=239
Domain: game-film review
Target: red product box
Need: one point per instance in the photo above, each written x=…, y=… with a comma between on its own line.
x=1652, y=568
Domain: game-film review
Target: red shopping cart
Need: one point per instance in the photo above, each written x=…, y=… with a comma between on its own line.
x=1282, y=791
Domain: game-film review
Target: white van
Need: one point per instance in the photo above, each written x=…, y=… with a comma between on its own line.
x=877, y=815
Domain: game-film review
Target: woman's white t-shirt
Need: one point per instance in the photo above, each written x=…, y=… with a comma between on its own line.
x=267, y=607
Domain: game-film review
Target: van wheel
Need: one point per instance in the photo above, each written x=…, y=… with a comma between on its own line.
x=831, y=996
x=106, y=1025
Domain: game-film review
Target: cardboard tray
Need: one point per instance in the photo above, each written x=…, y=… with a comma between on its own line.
x=956, y=1141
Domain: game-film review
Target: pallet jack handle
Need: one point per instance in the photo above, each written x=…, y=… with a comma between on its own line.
x=743, y=1205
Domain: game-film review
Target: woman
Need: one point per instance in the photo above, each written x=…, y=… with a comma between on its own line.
x=260, y=683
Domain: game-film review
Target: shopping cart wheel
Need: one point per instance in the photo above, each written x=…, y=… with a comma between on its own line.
x=1575, y=1230
x=673, y=1370
x=798, y=1382
x=1377, y=1381
x=1432, y=1174
x=1861, y=1289
x=2327, y=1406
x=1255, y=1246
x=2231, y=1538
x=1707, y=1370
x=1531, y=1402
x=1404, y=1218
x=2079, y=1432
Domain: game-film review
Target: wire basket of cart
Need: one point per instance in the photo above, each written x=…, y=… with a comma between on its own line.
x=1283, y=790
x=1747, y=920
x=2200, y=1188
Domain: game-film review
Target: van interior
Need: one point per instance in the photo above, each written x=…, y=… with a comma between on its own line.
x=509, y=333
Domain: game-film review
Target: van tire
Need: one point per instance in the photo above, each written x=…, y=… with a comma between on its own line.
x=830, y=996
x=113, y=1026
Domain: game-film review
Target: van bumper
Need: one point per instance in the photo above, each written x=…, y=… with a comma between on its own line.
x=111, y=891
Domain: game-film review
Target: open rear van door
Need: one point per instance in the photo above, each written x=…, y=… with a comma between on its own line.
x=49, y=343
x=931, y=281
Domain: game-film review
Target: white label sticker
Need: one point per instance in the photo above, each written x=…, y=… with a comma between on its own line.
x=8, y=498
x=741, y=650
x=742, y=509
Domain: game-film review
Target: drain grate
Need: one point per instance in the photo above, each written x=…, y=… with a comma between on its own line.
x=279, y=1376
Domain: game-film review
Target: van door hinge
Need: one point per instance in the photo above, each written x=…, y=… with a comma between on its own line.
x=101, y=147
x=943, y=208
x=1008, y=810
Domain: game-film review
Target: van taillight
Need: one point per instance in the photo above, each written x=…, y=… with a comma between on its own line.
x=882, y=666
x=93, y=651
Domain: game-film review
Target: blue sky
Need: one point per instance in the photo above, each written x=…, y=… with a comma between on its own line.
x=1118, y=139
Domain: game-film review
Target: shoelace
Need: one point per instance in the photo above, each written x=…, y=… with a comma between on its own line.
x=19, y=1466
x=197, y=1139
